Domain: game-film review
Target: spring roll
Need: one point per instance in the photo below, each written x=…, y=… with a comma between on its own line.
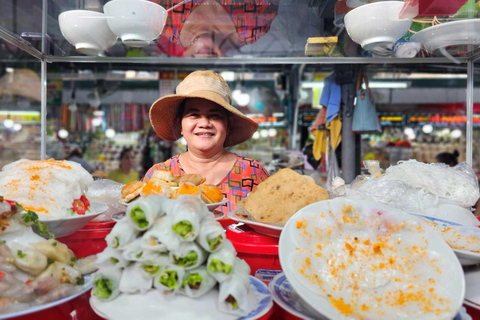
x=135, y=252
x=153, y=267
x=160, y=237
x=185, y=219
x=220, y=264
x=106, y=284
x=111, y=258
x=142, y=213
x=170, y=279
x=121, y=235
x=28, y=259
x=211, y=236
x=197, y=282
x=188, y=256
x=233, y=297
x=132, y=280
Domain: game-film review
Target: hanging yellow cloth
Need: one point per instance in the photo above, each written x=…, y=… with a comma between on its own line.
x=319, y=143
x=335, y=128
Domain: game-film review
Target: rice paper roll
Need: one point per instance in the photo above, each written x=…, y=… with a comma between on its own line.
x=211, y=236
x=233, y=297
x=197, y=282
x=153, y=267
x=132, y=280
x=135, y=252
x=186, y=215
x=170, y=279
x=188, y=256
x=64, y=273
x=111, y=258
x=106, y=284
x=220, y=264
x=54, y=250
x=160, y=237
x=28, y=259
x=121, y=235
x=142, y=213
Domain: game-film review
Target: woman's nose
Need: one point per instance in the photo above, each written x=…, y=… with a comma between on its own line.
x=204, y=122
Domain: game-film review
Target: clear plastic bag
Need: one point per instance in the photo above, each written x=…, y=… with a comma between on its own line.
x=108, y=192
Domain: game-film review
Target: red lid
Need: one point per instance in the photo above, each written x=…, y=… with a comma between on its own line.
x=99, y=225
x=246, y=240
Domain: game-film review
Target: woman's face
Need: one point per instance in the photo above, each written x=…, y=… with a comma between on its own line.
x=204, y=125
x=128, y=161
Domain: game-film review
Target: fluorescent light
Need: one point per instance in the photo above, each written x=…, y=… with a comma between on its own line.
x=228, y=75
x=98, y=113
x=387, y=85
x=130, y=74
x=311, y=84
x=418, y=75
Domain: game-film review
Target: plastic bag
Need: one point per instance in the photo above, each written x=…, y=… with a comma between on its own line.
x=108, y=192
x=332, y=168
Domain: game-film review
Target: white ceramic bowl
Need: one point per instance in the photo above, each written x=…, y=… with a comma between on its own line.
x=87, y=30
x=376, y=24
x=67, y=226
x=136, y=22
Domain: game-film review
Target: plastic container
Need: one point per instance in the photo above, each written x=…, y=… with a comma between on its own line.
x=258, y=250
x=90, y=239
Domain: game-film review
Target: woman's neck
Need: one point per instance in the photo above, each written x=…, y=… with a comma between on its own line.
x=126, y=171
x=198, y=159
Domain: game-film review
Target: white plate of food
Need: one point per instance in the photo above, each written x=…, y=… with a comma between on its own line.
x=66, y=226
x=154, y=303
x=464, y=240
x=353, y=259
x=263, y=228
x=81, y=290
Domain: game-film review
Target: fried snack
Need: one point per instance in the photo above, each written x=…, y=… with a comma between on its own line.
x=185, y=188
x=165, y=176
x=210, y=193
x=196, y=179
x=276, y=199
x=156, y=188
x=131, y=190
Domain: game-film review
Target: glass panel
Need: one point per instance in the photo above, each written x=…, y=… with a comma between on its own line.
x=23, y=18
x=266, y=28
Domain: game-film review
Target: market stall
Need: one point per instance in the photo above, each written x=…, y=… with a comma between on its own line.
x=396, y=238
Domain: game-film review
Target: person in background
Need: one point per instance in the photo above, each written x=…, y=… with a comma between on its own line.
x=126, y=172
x=203, y=114
x=76, y=155
x=448, y=158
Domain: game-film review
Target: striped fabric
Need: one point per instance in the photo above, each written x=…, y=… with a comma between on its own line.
x=245, y=175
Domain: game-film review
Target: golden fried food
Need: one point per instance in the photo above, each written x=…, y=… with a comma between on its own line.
x=155, y=188
x=131, y=190
x=165, y=176
x=210, y=193
x=276, y=199
x=196, y=179
x=185, y=188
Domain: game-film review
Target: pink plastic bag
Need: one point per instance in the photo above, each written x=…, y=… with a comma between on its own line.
x=430, y=8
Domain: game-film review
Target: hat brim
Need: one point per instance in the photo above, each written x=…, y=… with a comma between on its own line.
x=163, y=113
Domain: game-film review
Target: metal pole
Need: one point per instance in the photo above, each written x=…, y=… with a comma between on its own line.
x=348, y=136
x=43, y=77
x=469, y=157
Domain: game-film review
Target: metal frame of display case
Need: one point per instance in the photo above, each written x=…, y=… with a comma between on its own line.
x=44, y=59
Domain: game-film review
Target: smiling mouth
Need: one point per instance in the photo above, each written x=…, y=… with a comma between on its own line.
x=205, y=134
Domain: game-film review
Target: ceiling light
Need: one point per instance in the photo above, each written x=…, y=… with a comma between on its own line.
x=428, y=128
x=8, y=123
x=110, y=133
x=62, y=133
x=272, y=132
x=457, y=133
x=9, y=70
x=264, y=133
x=17, y=127
x=97, y=122
x=228, y=75
x=256, y=135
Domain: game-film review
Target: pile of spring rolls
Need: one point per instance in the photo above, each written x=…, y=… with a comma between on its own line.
x=176, y=247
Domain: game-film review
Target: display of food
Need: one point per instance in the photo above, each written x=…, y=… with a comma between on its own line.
x=34, y=271
x=53, y=189
x=175, y=247
x=276, y=199
x=458, y=237
x=165, y=183
x=371, y=261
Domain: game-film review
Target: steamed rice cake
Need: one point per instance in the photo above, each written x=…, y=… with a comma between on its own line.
x=276, y=199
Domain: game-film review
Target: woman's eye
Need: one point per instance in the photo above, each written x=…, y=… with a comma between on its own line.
x=215, y=116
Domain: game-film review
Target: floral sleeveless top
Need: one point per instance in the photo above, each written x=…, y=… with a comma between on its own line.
x=244, y=176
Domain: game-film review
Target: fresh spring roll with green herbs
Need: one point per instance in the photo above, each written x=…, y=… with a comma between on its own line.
x=220, y=264
x=160, y=237
x=142, y=213
x=188, y=256
x=233, y=297
x=170, y=279
x=106, y=284
x=150, y=269
x=135, y=252
x=211, y=236
x=121, y=235
x=132, y=280
x=197, y=282
x=111, y=258
x=186, y=215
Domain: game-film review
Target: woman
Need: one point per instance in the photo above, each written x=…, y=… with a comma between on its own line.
x=202, y=113
x=126, y=173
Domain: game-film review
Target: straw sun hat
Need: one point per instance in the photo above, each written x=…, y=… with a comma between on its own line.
x=205, y=85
